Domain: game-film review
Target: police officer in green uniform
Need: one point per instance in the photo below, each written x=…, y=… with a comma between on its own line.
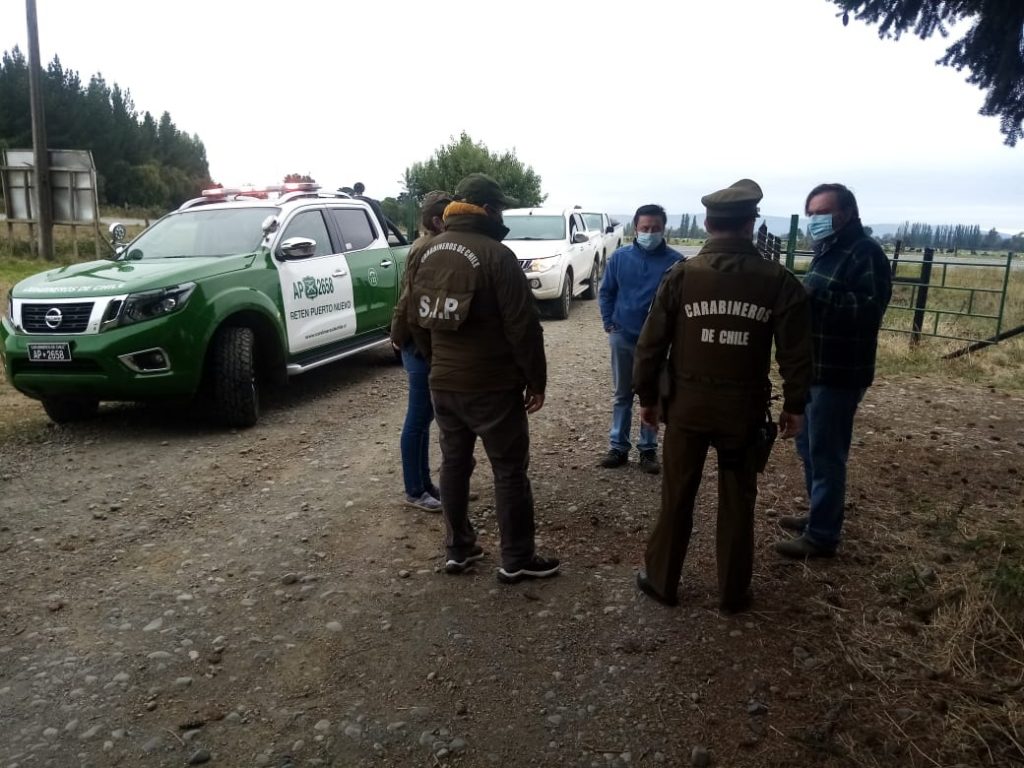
x=714, y=319
x=471, y=313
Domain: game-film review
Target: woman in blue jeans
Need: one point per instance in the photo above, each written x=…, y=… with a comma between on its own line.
x=420, y=491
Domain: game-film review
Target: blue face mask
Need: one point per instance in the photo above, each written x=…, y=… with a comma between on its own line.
x=820, y=226
x=649, y=240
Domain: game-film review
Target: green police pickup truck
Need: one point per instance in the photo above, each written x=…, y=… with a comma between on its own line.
x=232, y=290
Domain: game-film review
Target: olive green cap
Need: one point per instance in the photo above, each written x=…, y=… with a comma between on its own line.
x=481, y=189
x=736, y=200
x=433, y=198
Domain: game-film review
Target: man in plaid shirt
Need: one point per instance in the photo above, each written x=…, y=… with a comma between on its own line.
x=849, y=284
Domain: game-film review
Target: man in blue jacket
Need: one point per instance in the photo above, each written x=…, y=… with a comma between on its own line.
x=630, y=282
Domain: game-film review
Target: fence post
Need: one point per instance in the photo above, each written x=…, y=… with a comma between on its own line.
x=794, y=227
x=1006, y=285
x=762, y=240
x=896, y=256
x=921, y=300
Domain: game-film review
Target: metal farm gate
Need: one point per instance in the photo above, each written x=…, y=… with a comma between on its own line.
x=962, y=298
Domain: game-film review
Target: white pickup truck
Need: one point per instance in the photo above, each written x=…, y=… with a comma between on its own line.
x=557, y=253
x=603, y=231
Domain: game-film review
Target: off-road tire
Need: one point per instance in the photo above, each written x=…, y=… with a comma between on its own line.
x=594, y=284
x=235, y=390
x=63, y=410
x=560, y=306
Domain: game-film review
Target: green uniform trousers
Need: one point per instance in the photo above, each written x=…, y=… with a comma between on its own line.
x=684, y=454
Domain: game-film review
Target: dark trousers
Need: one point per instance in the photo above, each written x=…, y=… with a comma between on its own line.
x=499, y=420
x=684, y=454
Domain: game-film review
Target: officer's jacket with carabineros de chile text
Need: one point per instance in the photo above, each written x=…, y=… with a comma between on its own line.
x=716, y=316
x=471, y=312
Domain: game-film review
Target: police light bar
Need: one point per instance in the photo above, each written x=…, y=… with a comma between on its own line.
x=261, y=192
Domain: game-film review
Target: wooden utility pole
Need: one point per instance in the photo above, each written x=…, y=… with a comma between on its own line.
x=43, y=197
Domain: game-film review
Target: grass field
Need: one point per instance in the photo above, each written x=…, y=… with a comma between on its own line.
x=1000, y=365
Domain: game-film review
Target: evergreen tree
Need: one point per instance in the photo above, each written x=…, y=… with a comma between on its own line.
x=992, y=49
x=684, y=226
x=137, y=161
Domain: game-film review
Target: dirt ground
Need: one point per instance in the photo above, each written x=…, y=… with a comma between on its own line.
x=172, y=594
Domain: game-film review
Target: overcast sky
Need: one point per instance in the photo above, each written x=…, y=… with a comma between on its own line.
x=614, y=104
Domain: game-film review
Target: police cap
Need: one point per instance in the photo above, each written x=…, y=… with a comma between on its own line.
x=481, y=189
x=738, y=200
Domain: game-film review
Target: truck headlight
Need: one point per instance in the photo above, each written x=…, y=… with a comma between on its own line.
x=148, y=305
x=9, y=306
x=543, y=265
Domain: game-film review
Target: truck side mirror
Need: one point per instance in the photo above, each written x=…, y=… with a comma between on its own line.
x=580, y=237
x=609, y=229
x=298, y=248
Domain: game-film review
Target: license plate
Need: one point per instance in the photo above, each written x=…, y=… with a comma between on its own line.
x=49, y=353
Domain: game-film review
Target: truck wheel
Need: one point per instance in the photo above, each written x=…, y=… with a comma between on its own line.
x=236, y=398
x=62, y=410
x=594, y=281
x=560, y=306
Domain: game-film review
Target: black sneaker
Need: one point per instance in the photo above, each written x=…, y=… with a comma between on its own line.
x=536, y=568
x=649, y=462
x=458, y=565
x=614, y=459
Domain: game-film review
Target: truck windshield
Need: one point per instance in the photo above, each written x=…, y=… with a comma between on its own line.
x=593, y=221
x=535, y=227
x=224, y=232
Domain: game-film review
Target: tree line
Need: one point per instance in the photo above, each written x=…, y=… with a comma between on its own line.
x=139, y=160
x=689, y=228
x=954, y=237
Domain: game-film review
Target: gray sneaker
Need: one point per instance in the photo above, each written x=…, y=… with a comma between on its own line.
x=424, y=501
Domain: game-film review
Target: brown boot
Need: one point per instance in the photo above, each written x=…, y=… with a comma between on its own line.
x=795, y=523
x=802, y=548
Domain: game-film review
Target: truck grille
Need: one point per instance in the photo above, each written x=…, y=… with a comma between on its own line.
x=56, y=318
x=525, y=263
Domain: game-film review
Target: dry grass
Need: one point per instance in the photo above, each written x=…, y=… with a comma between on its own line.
x=943, y=657
x=1000, y=365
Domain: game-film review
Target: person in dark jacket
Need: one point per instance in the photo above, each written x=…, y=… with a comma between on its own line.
x=627, y=290
x=715, y=319
x=471, y=313
x=849, y=284
x=359, y=193
x=420, y=491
